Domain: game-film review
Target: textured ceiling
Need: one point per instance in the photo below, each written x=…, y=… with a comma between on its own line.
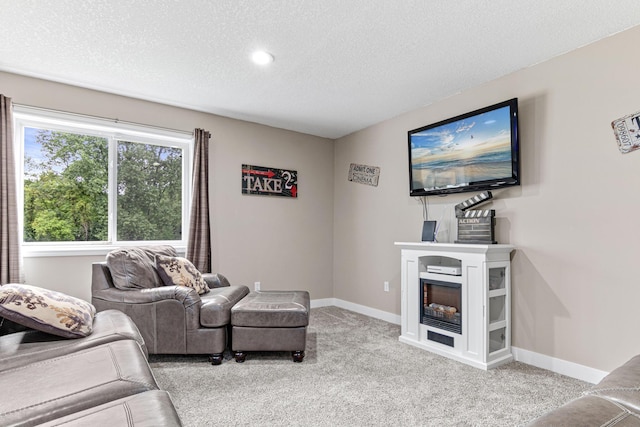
x=341, y=65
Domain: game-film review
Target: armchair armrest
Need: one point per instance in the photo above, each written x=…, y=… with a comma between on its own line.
x=215, y=280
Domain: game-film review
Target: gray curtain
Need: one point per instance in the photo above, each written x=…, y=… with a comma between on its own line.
x=10, y=271
x=199, y=243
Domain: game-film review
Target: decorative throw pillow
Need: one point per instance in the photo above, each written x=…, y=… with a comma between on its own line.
x=180, y=271
x=45, y=310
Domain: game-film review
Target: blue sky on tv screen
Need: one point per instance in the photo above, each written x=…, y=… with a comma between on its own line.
x=493, y=127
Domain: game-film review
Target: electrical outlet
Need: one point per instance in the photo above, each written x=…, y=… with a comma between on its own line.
x=256, y=286
x=386, y=286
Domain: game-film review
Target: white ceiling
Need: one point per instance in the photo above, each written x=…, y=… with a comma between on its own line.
x=340, y=65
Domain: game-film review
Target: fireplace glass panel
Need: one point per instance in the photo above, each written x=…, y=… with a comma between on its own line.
x=496, y=278
x=441, y=305
x=497, y=340
x=497, y=309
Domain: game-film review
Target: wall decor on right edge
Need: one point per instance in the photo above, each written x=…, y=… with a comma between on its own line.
x=627, y=132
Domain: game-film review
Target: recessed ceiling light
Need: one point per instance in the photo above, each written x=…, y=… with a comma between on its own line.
x=261, y=57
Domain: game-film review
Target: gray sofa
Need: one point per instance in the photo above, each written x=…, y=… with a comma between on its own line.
x=172, y=319
x=100, y=379
x=613, y=401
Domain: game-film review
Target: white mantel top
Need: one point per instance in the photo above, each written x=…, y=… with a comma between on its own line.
x=455, y=247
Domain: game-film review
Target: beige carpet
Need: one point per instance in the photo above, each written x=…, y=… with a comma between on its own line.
x=357, y=373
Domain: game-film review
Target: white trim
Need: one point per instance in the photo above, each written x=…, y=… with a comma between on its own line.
x=368, y=311
x=362, y=309
x=40, y=115
x=558, y=366
x=98, y=249
x=325, y=302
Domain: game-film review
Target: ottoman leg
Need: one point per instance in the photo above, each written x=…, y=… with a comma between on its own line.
x=240, y=356
x=297, y=356
x=216, y=359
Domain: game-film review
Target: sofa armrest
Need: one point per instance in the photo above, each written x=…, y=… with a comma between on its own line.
x=215, y=280
x=187, y=296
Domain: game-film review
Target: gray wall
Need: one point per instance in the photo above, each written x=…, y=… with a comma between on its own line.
x=575, y=286
x=283, y=243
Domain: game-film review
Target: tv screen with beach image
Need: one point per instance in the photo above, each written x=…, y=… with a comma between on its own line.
x=462, y=152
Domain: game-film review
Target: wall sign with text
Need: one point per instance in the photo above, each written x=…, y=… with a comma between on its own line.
x=627, y=132
x=269, y=181
x=364, y=174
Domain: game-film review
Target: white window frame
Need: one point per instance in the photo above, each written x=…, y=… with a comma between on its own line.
x=25, y=116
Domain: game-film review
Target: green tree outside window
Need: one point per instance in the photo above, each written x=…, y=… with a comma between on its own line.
x=66, y=189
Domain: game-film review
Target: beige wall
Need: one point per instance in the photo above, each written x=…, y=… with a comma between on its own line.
x=575, y=283
x=283, y=243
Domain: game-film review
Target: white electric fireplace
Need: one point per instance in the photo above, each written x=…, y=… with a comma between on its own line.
x=456, y=300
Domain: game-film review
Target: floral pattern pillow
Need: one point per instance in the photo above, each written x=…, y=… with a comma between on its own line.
x=180, y=271
x=46, y=310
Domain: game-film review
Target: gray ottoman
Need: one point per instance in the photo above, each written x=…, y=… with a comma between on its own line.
x=270, y=321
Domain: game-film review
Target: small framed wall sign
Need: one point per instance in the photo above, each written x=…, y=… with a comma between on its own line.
x=267, y=181
x=627, y=132
x=364, y=174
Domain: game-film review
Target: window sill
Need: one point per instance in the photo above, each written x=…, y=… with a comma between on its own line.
x=79, y=250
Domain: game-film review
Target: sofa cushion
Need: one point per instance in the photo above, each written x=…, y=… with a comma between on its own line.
x=46, y=310
x=151, y=408
x=588, y=411
x=622, y=385
x=57, y=387
x=178, y=271
x=29, y=346
x=134, y=268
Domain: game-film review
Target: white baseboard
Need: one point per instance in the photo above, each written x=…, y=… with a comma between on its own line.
x=558, y=366
x=538, y=360
x=325, y=302
x=362, y=309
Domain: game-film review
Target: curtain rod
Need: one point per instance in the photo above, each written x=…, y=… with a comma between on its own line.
x=114, y=120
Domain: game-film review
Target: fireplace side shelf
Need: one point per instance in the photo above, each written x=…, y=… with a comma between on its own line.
x=485, y=278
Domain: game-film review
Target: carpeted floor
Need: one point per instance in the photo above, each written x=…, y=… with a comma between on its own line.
x=357, y=373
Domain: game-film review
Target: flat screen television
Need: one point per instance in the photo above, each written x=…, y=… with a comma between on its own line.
x=475, y=151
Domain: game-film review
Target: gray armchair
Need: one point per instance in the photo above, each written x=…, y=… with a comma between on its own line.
x=171, y=319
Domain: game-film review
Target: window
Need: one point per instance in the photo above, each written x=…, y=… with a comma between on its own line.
x=91, y=184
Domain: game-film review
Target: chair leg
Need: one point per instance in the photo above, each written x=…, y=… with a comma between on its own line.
x=240, y=356
x=297, y=356
x=216, y=359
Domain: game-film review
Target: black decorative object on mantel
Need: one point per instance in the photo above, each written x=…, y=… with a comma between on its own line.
x=476, y=226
